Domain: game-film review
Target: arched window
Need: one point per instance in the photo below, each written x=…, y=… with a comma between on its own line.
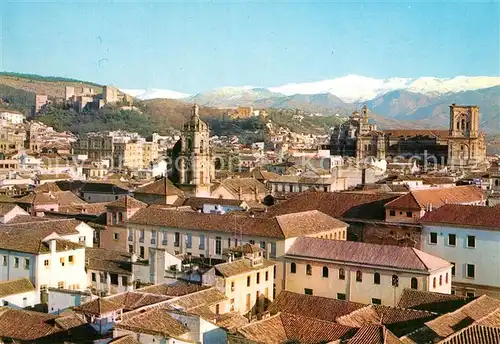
x=376, y=278
x=434, y=282
x=463, y=124
x=201, y=146
x=446, y=278
x=335, y=236
x=395, y=281
x=293, y=268
x=325, y=272
x=441, y=280
x=359, y=276
x=189, y=144
x=309, y=270
x=414, y=283
x=341, y=274
x=343, y=235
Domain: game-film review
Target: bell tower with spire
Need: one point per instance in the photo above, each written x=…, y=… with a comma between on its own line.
x=195, y=163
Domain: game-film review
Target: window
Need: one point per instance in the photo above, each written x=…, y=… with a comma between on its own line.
x=130, y=235
x=471, y=241
x=114, y=279
x=433, y=238
x=408, y=214
x=189, y=240
x=434, y=282
x=341, y=296
x=263, y=245
x=16, y=262
x=26, y=263
x=70, y=259
x=308, y=291
x=141, y=251
x=325, y=272
x=471, y=270
x=376, y=278
x=440, y=280
x=94, y=279
x=470, y=294
x=120, y=217
x=46, y=263
x=359, y=276
x=293, y=268
x=61, y=261
x=341, y=274
x=114, y=218
x=218, y=245
x=202, y=242
x=4, y=260
x=248, y=281
x=309, y=269
x=414, y=283
x=5, y=303
x=60, y=285
x=124, y=280
x=141, y=236
x=446, y=278
x=131, y=248
x=232, y=286
x=452, y=239
x=177, y=239
x=376, y=301
x=252, y=242
x=395, y=281
x=102, y=277
x=228, y=242
x=153, y=237
x=115, y=236
x=452, y=268
x=267, y=275
x=392, y=213
x=258, y=277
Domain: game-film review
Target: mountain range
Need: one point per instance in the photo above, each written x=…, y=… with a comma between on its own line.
x=425, y=99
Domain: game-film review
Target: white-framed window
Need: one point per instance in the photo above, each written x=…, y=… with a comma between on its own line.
x=470, y=270
x=452, y=239
x=433, y=238
x=471, y=241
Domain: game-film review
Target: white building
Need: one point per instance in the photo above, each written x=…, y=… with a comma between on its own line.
x=361, y=272
x=12, y=116
x=18, y=293
x=469, y=237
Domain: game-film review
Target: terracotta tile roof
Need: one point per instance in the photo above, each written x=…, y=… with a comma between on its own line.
x=247, y=186
x=28, y=238
x=422, y=199
x=449, y=323
x=154, y=322
x=336, y=204
x=240, y=266
x=5, y=208
x=98, y=306
x=132, y=300
x=198, y=202
x=34, y=326
x=374, y=334
x=474, y=334
x=283, y=226
x=318, y=307
x=283, y=327
x=464, y=215
x=84, y=208
x=431, y=301
x=127, y=202
x=387, y=256
x=55, y=176
x=207, y=297
x=246, y=249
x=47, y=187
x=111, y=261
x=104, y=187
x=163, y=187
x=399, y=320
x=62, y=198
x=176, y=289
x=16, y=286
x=231, y=321
x=126, y=339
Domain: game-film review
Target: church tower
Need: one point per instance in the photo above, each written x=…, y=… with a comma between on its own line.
x=466, y=145
x=195, y=163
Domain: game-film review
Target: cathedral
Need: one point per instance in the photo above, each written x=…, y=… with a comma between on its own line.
x=193, y=169
x=461, y=146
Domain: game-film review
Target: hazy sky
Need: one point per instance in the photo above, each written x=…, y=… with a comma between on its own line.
x=195, y=46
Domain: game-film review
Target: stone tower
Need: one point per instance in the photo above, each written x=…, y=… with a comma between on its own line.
x=466, y=146
x=195, y=163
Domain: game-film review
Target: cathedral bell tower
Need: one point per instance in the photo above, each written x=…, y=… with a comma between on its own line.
x=195, y=163
x=466, y=146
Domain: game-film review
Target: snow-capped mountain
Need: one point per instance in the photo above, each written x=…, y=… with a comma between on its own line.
x=354, y=88
x=154, y=93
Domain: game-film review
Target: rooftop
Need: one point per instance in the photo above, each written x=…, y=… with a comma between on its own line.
x=374, y=334
x=15, y=286
x=127, y=202
x=431, y=301
x=111, y=261
x=163, y=187
x=464, y=215
x=383, y=256
x=241, y=266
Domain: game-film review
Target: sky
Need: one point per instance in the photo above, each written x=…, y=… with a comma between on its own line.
x=196, y=46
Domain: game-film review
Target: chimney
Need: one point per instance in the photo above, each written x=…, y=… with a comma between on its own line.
x=52, y=245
